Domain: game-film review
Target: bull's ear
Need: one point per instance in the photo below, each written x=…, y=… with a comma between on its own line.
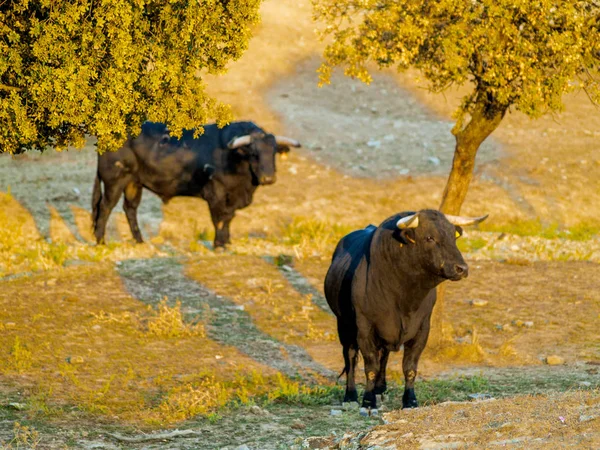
x=459, y=231
x=405, y=236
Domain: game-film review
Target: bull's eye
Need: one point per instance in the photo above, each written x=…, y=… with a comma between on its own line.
x=429, y=239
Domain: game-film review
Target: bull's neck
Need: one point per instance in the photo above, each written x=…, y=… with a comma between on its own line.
x=397, y=267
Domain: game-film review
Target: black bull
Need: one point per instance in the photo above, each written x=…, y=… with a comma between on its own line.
x=381, y=287
x=224, y=166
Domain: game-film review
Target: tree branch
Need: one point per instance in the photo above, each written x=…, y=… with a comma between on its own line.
x=154, y=437
x=6, y=87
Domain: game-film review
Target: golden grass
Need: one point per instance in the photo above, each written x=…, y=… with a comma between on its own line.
x=63, y=344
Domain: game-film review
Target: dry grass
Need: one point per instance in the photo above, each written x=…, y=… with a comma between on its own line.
x=533, y=422
x=62, y=344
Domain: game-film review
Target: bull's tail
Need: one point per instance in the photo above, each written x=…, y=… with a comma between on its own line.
x=344, y=371
x=96, y=199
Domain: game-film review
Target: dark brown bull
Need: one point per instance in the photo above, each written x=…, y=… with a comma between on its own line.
x=381, y=287
x=224, y=166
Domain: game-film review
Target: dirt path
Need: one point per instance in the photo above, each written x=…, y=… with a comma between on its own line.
x=302, y=285
x=150, y=280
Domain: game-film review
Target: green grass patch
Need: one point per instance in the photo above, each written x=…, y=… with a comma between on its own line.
x=581, y=232
x=468, y=245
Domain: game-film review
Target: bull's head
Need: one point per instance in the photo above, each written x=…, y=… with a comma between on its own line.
x=259, y=150
x=433, y=236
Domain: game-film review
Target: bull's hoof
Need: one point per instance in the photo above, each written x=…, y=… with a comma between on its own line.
x=380, y=389
x=369, y=400
x=409, y=399
x=219, y=249
x=368, y=412
x=351, y=396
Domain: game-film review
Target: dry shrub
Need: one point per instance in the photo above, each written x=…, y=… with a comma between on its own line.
x=168, y=323
x=194, y=399
x=23, y=437
x=21, y=358
x=464, y=352
x=164, y=322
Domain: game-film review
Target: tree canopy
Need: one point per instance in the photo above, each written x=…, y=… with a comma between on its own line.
x=87, y=67
x=520, y=53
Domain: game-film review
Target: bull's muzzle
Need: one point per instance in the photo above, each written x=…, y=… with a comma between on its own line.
x=461, y=271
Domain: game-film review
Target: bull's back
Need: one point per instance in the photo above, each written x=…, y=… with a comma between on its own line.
x=350, y=251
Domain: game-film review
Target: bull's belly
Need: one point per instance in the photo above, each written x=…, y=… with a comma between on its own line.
x=393, y=336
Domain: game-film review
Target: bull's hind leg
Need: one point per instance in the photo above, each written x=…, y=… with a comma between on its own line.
x=108, y=202
x=380, y=383
x=133, y=197
x=350, y=359
x=370, y=355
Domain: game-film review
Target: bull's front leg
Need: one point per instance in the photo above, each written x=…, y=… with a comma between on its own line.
x=221, y=218
x=410, y=361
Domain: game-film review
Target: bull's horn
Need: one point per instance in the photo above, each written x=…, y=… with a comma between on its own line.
x=465, y=221
x=282, y=140
x=411, y=221
x=239, y=142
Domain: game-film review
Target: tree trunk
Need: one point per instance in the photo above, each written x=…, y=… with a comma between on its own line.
x=485, y=118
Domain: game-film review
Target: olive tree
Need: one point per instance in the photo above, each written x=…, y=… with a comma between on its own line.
x=521, y=55
x=88, y=67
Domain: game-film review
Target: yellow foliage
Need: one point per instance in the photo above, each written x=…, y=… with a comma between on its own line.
x=516, y=52
x=69, y=69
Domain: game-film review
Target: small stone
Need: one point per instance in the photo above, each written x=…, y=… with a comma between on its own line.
x=585, y=383
x=374, y=143
x=478, y=302
x=336, y=412
x=298, y=425
x=528, y=324
x=434, y=160
x=408, y=435
x=10, y=324
x=479, y=397
x=259, y=411
x=514, y=248
x=554, y=360
x=18, y=406
x=242, y=447
x=584, y=418
x=75, y=359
